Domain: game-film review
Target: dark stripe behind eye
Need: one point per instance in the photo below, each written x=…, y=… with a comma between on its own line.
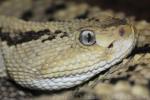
x=19, y=38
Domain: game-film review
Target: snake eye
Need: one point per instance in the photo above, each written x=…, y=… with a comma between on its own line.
x=87, y=38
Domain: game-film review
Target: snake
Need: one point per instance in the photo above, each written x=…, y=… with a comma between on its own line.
x=61, y=54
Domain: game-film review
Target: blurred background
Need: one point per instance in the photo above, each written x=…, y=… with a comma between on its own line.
x=138, y=8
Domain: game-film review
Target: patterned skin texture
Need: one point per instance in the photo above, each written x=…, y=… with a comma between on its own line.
x=56, y=55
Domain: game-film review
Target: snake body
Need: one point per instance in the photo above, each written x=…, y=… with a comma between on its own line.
x=62, y=54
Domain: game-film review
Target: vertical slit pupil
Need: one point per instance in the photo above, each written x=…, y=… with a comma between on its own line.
x=89, y=37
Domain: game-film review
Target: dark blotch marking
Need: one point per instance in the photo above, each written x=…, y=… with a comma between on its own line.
x=58, y=32
x=65, y=34
x=55, y=7
x=85, y=95
x=93, y=19
x=27, y=15
x=115, y=80
x=131, y=68
x=82, y=16
x=50, y=18
x=51, y=37
x=111, y=45
x=50, y=10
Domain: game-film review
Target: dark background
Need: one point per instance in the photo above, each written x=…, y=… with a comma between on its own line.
x=138, y=8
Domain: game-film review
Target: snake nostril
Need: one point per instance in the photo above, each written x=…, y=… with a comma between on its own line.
x=122, y=31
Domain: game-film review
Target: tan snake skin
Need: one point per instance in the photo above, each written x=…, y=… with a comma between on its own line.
x=56, y=55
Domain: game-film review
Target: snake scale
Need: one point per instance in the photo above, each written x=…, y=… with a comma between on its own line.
x=59, y=54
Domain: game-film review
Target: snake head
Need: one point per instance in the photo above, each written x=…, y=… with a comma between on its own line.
x=66, y=53
x=95, y=47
